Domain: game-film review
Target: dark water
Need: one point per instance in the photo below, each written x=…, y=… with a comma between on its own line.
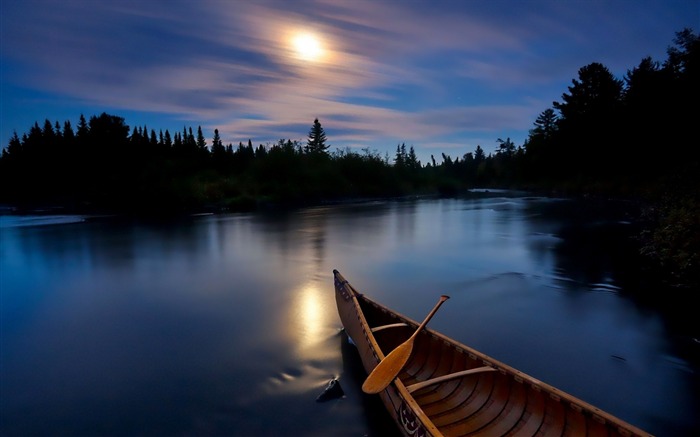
x=226, y=325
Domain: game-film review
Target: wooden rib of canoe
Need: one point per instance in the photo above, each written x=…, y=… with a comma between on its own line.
x=450, y=389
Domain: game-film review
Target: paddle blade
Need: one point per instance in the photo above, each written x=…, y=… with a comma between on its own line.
x=388, y=369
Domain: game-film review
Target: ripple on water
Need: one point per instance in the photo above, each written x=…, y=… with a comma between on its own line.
x=16, y=221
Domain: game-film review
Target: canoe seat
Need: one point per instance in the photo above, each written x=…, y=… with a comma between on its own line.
x=393, y=325
x=419, y=385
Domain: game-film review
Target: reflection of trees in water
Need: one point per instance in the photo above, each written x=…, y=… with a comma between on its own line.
x=602, y=253
x=276, y=231
x=286, y=232
x=314, y=224
x=105, y=242
x=405, y=213
x=289, y=232
x=596, y=247
x=593, y=241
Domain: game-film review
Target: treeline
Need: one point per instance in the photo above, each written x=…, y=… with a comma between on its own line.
x=103, y=165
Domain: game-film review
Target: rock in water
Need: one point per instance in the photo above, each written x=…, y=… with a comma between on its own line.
x=332, y=391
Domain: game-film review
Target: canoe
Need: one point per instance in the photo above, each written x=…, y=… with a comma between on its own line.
x=449, y=389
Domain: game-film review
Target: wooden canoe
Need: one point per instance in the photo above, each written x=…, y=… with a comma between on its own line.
x=449, y=389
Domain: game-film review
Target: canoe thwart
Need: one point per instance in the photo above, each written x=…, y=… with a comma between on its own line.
x=419, y=385
x=392, y=325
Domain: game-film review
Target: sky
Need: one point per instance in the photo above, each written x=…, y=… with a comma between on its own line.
x=442, y=76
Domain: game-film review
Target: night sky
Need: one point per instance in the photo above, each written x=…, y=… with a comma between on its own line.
x=443, y=76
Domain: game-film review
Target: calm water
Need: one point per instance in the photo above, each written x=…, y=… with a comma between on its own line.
x=226, y=324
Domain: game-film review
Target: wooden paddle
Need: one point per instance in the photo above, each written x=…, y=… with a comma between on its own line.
x=388, y=369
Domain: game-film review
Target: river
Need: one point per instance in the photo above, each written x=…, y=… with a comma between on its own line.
x=226, y=324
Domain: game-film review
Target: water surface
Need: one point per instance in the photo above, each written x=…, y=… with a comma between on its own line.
x=226, y=324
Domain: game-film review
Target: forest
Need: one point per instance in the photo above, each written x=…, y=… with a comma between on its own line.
x=633, y=137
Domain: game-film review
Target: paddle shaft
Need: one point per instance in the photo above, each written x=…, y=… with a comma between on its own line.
x=388, y=369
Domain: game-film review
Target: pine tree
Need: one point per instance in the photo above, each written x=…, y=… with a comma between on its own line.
x=505, y=147
x=135, y=136
x=316, y=143
x=57, y=130
x=14, y=148
x=593, y=96
x=545, y=125
x=218, y=151
x=188, y=139
x=400, y=158
x=48, y=132
x=589, y=124
x=479, y=155
x=83, y=128
x=413, y=161
x=201, y=142
x=177, y=141
x=68, y=133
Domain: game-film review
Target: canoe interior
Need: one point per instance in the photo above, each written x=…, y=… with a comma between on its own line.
x=485, y=403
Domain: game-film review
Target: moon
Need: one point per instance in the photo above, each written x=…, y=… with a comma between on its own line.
x=307, y=47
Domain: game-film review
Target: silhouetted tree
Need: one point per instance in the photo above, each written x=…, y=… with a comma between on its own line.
x=177, y=142
x=545, y=125
x=260, y=152
x=683, y=65
x=412, y=161
x=505, y=147
x=190, y=142
x=589, y=115
x=108, y=164
x=57, y=130
x=83, y=128
x=201, y=142
x=167, y=140
x=595, y=94
x=218, y=151
x=68, y=134
x=14, y=147
x=541, y=148
x=316, y=143
x=400, y=157
x=479, y=155
x=684, y=55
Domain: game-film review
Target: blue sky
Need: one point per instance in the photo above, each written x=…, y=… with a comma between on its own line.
x=441, y=75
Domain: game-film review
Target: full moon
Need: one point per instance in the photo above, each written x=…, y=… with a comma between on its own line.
x=307, y=47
